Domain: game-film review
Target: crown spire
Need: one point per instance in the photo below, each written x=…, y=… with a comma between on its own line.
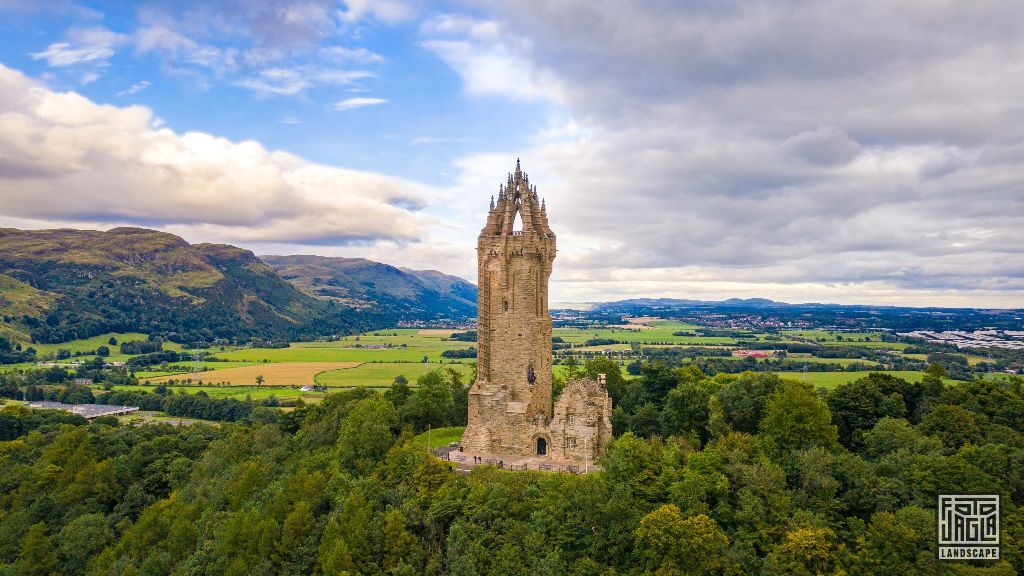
x=518, y=198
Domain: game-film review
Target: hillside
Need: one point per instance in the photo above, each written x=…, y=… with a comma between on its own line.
x=58, y=285
x=365, y=284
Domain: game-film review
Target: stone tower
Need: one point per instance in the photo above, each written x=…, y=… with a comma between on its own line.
x=515, y=251
x=510, y=404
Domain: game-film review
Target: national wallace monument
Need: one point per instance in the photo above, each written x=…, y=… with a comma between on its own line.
x=511, y=413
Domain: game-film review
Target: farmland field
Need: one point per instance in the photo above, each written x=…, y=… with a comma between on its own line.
x=864, y=339
x=374, y=359
x=209, y=366
x=45, y=351
x=657, y=332
x=841, y=361
x=276, y=374
x=833, y=379
x=404, y=347
x=19, y=366
x=238, y=392
x=379, y=375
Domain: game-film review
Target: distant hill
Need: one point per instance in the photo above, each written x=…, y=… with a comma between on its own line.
x=364, y=284
x=59, y=285
x=680, y=303
x=864, y=316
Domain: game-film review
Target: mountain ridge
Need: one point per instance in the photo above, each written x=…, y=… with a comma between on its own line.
x=63, y=284
x=359, y=282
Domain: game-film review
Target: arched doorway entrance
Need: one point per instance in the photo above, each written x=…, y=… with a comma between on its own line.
x=542, y=447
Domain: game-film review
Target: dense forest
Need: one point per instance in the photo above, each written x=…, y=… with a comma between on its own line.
x=731, y=474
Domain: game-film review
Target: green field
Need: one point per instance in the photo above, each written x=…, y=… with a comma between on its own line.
x=238, y=392
x=381, y=375
x=833, y=335
x=402, y=350
x=659, y=331
x=19, y=366
x=848, y=338
x=87, y=344
x=143, y=374
x=840, y=361
x=416, y=347
x=833, y=379
x=94, y=342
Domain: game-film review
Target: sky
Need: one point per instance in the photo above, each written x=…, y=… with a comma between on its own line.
x=845, y=151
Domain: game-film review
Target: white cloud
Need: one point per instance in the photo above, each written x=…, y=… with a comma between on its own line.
x=353, y=103
x=64, y=54
x=490, y=63
x=387, y=11
x=343, y=54
x=92, y=46
x=85, y=52
x=291, y=81
x=64, y=158
x=135, y=88
x=277, y=81
x=437, y=140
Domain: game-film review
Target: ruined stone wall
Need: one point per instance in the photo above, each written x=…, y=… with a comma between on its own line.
x=581, y=427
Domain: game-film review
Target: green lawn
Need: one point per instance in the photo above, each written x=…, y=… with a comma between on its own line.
x=381, y=375
x=439, y=437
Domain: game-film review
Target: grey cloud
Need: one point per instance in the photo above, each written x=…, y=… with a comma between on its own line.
x=824, y=146
x=791, y=142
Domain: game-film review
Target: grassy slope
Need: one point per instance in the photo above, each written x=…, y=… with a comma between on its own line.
x=137, y=279
x=17, y=300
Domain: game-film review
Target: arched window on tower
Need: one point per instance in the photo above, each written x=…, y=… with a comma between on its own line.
x=517, y=222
